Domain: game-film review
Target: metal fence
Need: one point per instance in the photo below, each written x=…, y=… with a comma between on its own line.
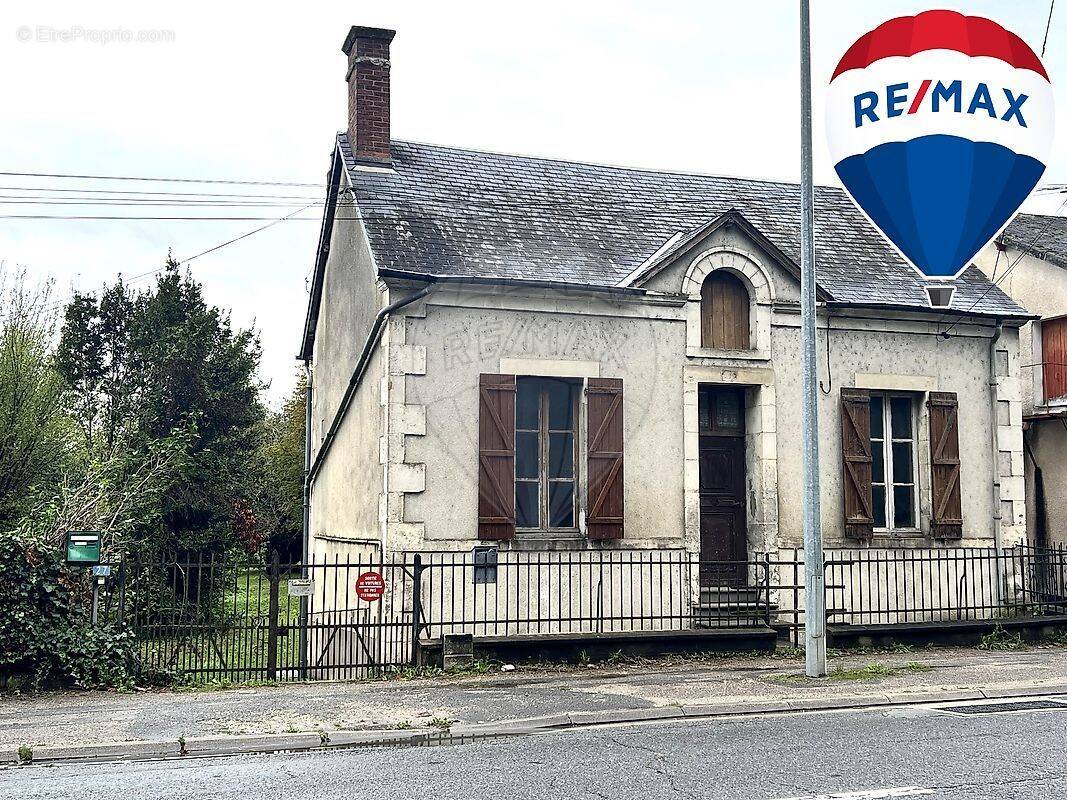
x=212, y=618
x=888, y=587
x=491, y=593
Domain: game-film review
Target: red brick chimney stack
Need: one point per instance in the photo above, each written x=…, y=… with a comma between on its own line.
x=368, y=93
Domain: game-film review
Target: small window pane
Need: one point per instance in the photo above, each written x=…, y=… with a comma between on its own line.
x=526, y=455
x=526, y=515
x=903, y=507
x=877, y=426
x=879, y=506
x=561, y=405
x=526, y=404
x=900, y=417
x=877, y=462
x=561, y=455
x=704, y=411
x=902, y=463
x=561, y=504
x=727, y=410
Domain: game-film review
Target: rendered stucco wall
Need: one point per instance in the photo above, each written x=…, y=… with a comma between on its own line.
x=863, y=353
x=1048, y=440
x=1041, y=288
x=462, y=342
x=406, y=462
x=345, y=496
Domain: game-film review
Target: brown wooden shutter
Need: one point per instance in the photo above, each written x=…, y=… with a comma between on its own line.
x=856, y=463
x=1054, y=357
x=724, y=313
x=604, y=401
x=496, y=457
x=946, y=521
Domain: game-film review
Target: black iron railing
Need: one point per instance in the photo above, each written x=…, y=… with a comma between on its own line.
x=519, y=593
x=214, y=618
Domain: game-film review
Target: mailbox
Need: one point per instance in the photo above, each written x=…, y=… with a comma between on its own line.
x=83, y=547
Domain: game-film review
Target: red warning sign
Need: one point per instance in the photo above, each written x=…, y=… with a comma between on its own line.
x=370, y=586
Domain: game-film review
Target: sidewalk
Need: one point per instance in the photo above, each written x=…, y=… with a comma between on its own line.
x=530, y=697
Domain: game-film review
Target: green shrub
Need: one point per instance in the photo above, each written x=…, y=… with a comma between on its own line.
x=45, y=635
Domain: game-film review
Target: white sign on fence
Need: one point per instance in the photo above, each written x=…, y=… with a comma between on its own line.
x=301, y=587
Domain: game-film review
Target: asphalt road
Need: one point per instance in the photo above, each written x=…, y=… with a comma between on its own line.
x=919, y=752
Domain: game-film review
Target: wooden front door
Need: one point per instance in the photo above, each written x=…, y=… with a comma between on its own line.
x=723, y=534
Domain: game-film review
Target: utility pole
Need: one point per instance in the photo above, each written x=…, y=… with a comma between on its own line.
x=814, y=579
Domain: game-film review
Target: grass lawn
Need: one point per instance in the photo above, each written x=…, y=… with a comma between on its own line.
x=235, y=646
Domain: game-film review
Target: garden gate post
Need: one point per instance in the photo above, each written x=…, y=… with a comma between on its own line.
x=416, y=608
x=272, y=618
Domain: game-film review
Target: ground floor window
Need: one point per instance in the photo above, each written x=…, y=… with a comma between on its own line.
x=546, y=435
x=893, y=468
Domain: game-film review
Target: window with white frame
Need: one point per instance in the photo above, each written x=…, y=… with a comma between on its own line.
x=893, y=456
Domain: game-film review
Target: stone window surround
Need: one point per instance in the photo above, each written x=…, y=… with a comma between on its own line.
x=748, y=267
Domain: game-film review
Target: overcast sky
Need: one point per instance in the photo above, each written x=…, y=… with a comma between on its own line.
x=256, y=93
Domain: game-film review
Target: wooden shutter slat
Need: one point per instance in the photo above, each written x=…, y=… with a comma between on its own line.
x=856, y=463
x=496, y=457
x=946, y=521
x=605, y=458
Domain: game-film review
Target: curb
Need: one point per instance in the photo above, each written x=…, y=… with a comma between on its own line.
x=213, y=746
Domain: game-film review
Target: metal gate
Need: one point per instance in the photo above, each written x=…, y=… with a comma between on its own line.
x=210, y=618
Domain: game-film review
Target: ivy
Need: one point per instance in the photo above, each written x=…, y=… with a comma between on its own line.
x=45, y=636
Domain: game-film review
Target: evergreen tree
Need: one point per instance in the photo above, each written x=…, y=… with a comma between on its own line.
x=145, y=365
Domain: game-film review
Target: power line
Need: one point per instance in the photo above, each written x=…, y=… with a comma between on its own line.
x=1029, y=247
x=68, y=175
x=96, y=190
x=141, y=276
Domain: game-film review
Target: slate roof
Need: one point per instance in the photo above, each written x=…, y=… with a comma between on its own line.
x=450, y=211
x=1042, y=236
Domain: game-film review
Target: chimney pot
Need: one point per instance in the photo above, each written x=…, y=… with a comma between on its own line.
x=368, y=93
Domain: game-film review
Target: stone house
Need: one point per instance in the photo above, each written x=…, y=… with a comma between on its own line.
x=1029, y=262
x=545, y=355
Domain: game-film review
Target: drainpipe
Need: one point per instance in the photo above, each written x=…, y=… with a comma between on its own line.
x=306, y=543
x=1002, y=576
x=353, y=382
x=997, y=521
x=308, y=397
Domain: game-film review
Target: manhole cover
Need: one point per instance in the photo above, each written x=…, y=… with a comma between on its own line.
x=1014, y=706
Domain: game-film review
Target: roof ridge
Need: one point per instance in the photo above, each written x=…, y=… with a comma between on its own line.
x=601, y=165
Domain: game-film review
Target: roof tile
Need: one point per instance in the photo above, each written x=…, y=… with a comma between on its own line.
x=448, y=211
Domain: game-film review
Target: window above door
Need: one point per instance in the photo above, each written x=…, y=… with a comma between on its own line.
x=725, y=311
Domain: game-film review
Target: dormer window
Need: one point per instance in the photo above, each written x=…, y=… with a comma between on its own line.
x=724, y=312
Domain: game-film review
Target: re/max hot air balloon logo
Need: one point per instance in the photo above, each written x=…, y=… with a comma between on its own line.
x=939, y=127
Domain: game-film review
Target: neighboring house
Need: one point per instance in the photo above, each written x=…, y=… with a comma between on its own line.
x=547, y=355
x=1029, y=261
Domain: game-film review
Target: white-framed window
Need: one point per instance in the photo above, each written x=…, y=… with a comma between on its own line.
x=546, y=444
x=894, y=486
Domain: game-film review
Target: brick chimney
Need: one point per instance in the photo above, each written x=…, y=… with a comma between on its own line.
x=368, y=93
